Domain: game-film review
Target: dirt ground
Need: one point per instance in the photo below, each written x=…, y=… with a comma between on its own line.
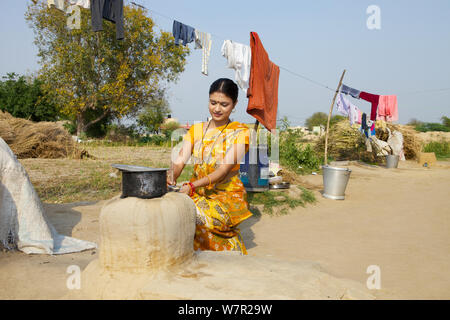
x=397, y=219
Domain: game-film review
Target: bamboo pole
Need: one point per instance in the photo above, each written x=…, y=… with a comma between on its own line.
x=329, y=116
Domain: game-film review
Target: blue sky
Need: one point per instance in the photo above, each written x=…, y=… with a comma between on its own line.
x=409, y=56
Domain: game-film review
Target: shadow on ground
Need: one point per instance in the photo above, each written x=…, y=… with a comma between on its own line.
x=63, y=217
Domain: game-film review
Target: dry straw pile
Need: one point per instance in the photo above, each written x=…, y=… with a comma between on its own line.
x=29, y=139
x=412, y=145
x=347, y=143
x=344, y=143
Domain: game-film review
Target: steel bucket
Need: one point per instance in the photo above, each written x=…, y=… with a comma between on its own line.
x=391, y=161
x=334, y=182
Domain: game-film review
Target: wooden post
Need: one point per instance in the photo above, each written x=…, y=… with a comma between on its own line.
x=329, y=116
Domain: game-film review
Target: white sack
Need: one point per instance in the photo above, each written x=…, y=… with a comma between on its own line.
x=395, y=141
x=23, y=222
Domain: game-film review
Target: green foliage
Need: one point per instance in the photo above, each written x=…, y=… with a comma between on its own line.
x=84, y=70
x=317, y=119
x=100, y=128
x=126, y=142
x=25, y=99
x=414, y=122
x=307, y=195
x=153, y=113
x=321, y=118
x=156, y=139
x=441, y=149
x=169, y=127
x=271, y=199
x=431, y=126
x=71, y=127
x=121, y=133
x=186, y=174
x=295, y=155
x=284, y=124
x=336, y=118
x=446, y=121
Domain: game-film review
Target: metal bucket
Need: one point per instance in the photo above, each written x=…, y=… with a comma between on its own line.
x=391, y=161
x=334, y=182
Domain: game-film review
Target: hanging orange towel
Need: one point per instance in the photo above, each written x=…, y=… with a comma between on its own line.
x=263, y=85
x=387, y=108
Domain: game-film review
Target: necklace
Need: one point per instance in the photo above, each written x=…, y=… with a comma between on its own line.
x=215, y=139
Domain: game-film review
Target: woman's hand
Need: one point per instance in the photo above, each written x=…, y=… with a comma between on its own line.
x=185, y=189
x=170, y=180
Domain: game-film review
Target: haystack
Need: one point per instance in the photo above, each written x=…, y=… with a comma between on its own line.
x=347, y=143
x=411, y=144
x=29, y=139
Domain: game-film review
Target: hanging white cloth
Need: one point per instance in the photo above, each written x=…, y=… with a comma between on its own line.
x=59, y=4
x=395, y=141
x=239, y=58
x=203, y=41
x=342, y=105
x=346, y=108
x=23, y=222
x=81, y=3
x=64, y=4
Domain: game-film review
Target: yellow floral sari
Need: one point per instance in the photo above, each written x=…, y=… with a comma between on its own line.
x=220, y=207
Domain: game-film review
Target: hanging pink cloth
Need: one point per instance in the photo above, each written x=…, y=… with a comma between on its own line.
x=387, y=108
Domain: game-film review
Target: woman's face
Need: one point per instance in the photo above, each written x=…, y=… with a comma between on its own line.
x=220, y=106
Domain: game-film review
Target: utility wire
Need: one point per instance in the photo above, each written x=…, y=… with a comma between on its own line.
x=286, y=69
x=223, y=38
x=426, y=91
x=307, y=79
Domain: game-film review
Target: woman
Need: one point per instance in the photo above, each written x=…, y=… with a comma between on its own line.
x=216, y=147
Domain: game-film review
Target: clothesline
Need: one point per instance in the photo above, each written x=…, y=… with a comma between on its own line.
x=185, y=32
x=288, y=70
x=223, y=38
x=425, y=91
x=305, y=78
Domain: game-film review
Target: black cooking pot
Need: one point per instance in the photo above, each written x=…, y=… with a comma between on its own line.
x=142, y=182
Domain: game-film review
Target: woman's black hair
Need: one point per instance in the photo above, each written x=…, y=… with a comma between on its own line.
x=225, y=86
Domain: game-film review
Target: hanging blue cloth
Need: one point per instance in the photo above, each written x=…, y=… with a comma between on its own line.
x=353, y=92
x=364, y=126
x=183, y=32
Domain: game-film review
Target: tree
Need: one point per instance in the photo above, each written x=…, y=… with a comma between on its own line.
x=317, y=119
x=414, y=122
x=169, y=127
x=336, y=118
x=153, y=113
x=431, y=126
x=284, y=124
x=25, y=99
x=321, y=118
x=85, y=71
x=446, y=121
